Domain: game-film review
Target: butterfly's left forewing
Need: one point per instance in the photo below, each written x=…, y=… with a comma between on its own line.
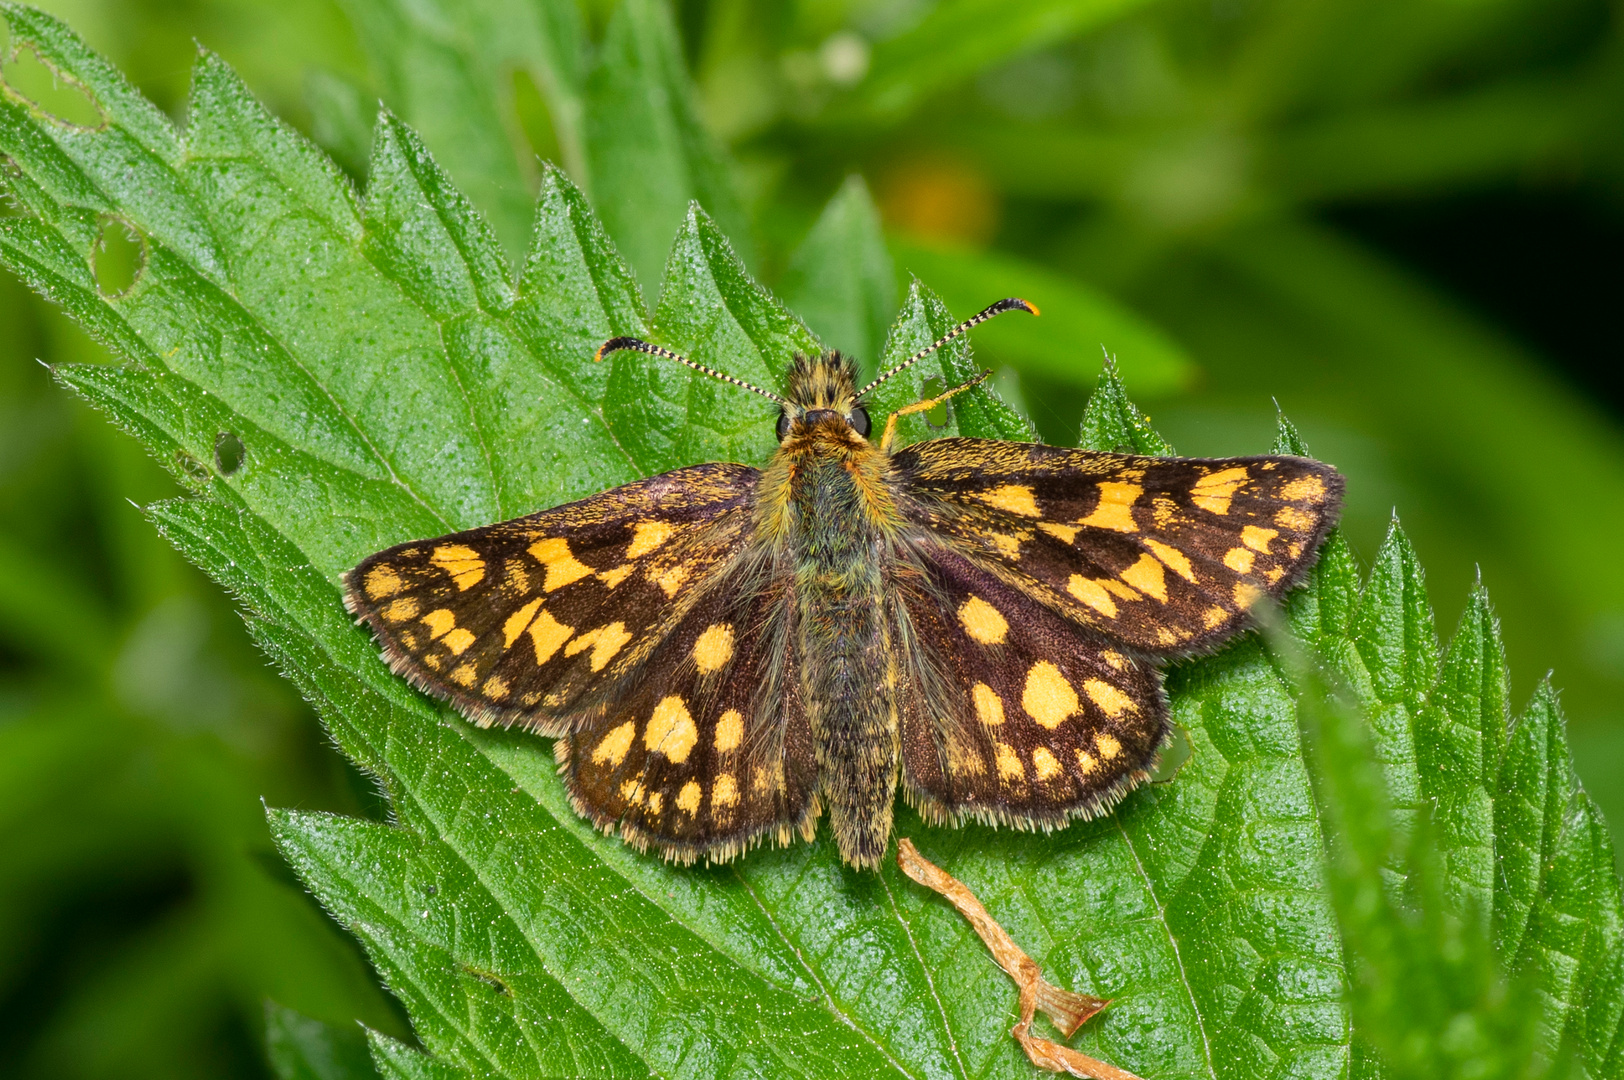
x=1163, y=555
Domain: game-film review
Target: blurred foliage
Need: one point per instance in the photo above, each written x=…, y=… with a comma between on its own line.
x=1156, y=176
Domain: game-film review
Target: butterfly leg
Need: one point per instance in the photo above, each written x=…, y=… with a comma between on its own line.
x=925, y=406
x=1068, y=1010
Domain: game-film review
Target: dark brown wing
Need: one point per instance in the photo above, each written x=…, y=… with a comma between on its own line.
x=1164, y=555
x=710, y=751
x=535, y=619
x=1013, y=715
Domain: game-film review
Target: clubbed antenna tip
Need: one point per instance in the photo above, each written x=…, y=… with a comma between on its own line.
x=1013, y=303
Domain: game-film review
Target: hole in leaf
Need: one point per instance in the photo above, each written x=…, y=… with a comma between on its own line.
x=228, y=453
x=937, y=417
x=118, y=257
x=57, y=97
x=1178, y=750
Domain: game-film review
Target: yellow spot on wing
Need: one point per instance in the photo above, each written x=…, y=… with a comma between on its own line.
x=382, y=581
x=714, y=648
x=671, y=579
x=1048, y=697
x=605, y=641
x=1115, y=509
x=495, y=688
x=1240, y=559
x=671, y=730
x=1086, y=762
x=1013, y=499
x=464, y=565
x=1044, y=763
x=517, y=622
x=613, y=746
x=1115, y=659
x=1009, y=764
x=688, y=798
x=614, y=577
x=632, y=790
x=1215, y=617
x=1304, y=489
x=1147, y=576
x=548, y=634
x=401, y=610
x=464, y=675
x=655, y=798
x=458, y=641
x=1064, y=533
x=562, y=567
x=1289, y=517
x=646, y=536
x=1108, y=745
x=1246, y=595
x=989, y=706
x=1093, y=594
x=439, y=621
x=982, y=621
x=961, y=760
x=1173, y=557
x=1214, y=491
x=1008, y=546
x=1257, y=538
x=1112, y=702
x=724, y=793
x=729, y=731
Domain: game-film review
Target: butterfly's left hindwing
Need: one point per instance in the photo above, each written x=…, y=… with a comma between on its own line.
x=533, y=619
x=1011, y=716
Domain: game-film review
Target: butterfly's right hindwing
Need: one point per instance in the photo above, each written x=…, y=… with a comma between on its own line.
x=533, y=619
x=711, y=750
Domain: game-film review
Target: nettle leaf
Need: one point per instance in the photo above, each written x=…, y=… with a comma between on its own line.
x=331, y=374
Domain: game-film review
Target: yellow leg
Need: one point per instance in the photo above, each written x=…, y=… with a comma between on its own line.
x=925, y=406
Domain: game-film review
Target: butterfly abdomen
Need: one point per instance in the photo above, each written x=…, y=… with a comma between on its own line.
x=837, y=543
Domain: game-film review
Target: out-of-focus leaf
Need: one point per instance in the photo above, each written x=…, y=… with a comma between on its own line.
x=647, y=152
x=304, y=1049
x=959, y=38
x=1065, y=343
x=841, y=279
x=448, y=68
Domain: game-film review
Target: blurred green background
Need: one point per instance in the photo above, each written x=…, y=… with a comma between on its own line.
x=1399, y=221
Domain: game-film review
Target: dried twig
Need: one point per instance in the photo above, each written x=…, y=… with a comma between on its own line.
x=1066, y=1009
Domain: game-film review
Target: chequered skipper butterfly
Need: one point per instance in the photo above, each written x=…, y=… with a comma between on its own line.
x=721, y=652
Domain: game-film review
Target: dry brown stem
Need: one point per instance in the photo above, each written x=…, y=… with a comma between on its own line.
x=1066, y=1009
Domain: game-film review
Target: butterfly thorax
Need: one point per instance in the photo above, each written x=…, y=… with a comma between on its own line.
x=828, y=506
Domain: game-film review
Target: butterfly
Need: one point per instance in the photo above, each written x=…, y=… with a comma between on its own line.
x=722, y=652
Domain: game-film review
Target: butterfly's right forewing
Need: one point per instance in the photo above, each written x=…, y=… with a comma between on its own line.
x=531, y=620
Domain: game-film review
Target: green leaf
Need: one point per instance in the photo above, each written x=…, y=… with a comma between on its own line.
x=1065, y=342
x=304, y=1049
x=647, y=153
x=388, y=379
x=397, y=1061
x=434, y=61
x=841, y=279
x=958, y=39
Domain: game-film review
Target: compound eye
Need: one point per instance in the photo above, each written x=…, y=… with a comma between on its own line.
x=783, y=425
x=859, y=420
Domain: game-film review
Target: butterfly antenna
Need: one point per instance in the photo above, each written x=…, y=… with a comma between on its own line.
x=631, y=344
x=1014, y=303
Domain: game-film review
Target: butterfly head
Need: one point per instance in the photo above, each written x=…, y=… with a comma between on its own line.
x=822, y=401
